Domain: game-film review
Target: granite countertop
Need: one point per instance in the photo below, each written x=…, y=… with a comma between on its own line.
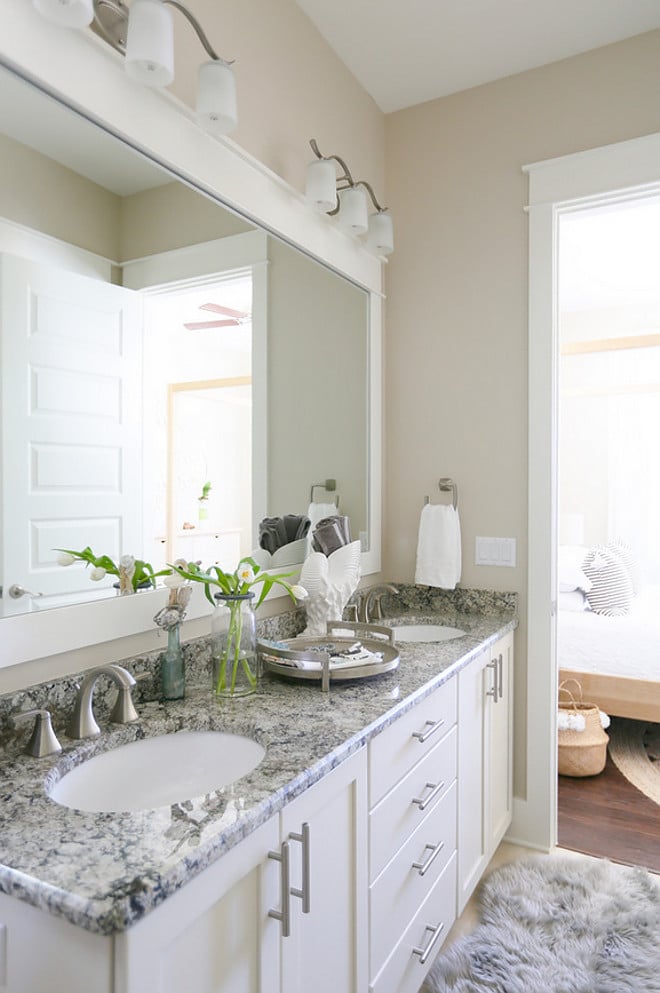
x=103, y=872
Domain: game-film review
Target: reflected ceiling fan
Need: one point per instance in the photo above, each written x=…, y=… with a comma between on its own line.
x=231, y=318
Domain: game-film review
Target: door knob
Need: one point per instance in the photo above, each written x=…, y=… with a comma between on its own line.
x=16, y=592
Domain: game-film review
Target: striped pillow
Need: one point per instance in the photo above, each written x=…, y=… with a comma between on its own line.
x=611, y=593
x=625, y=553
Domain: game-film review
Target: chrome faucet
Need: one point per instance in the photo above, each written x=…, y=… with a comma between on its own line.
x=370, y=602
x=83, y=723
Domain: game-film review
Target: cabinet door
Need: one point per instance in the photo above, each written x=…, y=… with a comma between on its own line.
x=41, y=952
x=326, y=950
x=472, y=752
x=500, y=745
x=215, y=934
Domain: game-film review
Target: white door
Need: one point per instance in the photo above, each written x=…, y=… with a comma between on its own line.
x=472, y=742
x=326, y=951
x=500, y=742
x=71, y=376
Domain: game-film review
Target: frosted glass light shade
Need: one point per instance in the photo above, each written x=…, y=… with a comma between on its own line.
x=380, y=238
x=150, y=43
x=353, y=215
x=216, y=97
x=321, y=185
x=67, y=13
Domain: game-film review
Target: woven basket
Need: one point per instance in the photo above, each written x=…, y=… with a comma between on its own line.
x=581, y=753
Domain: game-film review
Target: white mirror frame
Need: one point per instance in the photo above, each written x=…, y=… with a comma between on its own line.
x=85, y=74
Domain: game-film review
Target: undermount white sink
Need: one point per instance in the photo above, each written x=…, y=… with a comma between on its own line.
x=153, y=772
x=425, y=632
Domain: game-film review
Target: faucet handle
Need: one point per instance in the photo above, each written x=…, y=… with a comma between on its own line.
x=124, y=710
x=43, y=740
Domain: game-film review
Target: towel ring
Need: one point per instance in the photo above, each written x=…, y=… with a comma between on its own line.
x=329, y=485
x=446, y=485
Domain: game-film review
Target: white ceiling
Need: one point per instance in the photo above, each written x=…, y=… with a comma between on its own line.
x=407, y=53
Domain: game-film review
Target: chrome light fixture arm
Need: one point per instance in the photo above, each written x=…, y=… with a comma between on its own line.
x=114, y=32
x=345, y=181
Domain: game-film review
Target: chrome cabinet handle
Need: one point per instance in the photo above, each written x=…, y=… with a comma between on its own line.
x=423, y=867
x=283, y=915
x=304, y=893
x=436, y=930
x=493, y=690
x=431, y=728
x=500, y=671
x=423, y=802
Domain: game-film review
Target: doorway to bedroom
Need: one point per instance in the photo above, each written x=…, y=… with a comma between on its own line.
x=608, y=562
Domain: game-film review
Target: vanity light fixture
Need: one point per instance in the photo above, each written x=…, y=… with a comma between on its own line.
x=143, y=33
x=347, y=198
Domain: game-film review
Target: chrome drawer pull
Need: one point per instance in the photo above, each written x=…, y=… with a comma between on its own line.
x=500, y=670
x=431, y=728
x=304, y=893
x=423, y=867
x=424, y=953
x=283, y=915
x=423, y=802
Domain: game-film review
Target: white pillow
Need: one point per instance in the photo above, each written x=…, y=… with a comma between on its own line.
x=569, y=569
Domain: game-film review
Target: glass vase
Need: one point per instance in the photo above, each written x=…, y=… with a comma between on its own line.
x=234, y=645
x=171, y=666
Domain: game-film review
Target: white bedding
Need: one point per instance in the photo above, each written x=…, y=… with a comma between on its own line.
x=613, y=646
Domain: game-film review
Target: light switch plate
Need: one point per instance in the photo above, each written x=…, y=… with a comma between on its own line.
x=495, y=551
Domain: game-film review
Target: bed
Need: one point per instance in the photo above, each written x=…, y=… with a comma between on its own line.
x=615, y=659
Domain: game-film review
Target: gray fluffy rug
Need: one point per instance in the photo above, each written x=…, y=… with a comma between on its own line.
x=558, y=925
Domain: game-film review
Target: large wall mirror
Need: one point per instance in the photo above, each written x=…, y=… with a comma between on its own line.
x=171, y=375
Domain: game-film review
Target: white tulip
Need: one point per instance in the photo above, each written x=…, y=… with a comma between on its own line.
x=299, y=592
x=65, y=558
x=97, y=573
x=246, y=574
x=173, y=581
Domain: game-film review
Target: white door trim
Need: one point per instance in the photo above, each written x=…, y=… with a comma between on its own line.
x=623, y=171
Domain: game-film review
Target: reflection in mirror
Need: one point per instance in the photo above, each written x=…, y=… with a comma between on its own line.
x=170, y=374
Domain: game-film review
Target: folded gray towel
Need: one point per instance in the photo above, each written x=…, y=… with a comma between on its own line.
x=296, y=526
x=331, y=533
x=274, y=532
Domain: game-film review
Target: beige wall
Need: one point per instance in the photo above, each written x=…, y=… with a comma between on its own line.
x=41, y=194
x=456, y=382
x=291, y=87
x=317, y=398
x=169, y=217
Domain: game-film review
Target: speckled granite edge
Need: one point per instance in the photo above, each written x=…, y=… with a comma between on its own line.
x=103, y=872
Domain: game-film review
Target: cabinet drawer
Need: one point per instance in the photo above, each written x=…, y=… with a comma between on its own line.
x=404, y=884
x=404, y=971
x=402, y=744
x=397, y=815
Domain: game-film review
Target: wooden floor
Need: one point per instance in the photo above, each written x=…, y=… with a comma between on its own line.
x=606, y=816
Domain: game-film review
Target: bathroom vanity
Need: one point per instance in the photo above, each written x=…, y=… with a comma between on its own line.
x=339, y=863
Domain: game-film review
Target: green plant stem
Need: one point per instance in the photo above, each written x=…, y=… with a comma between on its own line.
x=232, y=654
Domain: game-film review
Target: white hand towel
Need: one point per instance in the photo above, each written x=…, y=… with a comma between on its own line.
x=317, y=511
x=439, y=547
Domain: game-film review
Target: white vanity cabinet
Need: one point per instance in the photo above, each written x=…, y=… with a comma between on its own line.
x=412, y=842
x=216, y=934
x=485, y=767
